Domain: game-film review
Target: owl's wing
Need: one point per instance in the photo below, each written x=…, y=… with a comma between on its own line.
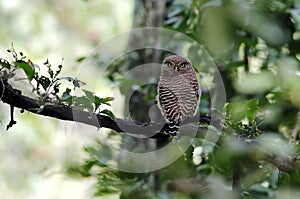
x=169, y=104
x=197, y=92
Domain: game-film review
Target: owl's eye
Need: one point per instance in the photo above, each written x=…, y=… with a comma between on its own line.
x=170, y=64
x=182, y=65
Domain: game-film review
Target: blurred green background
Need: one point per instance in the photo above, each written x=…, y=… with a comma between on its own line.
x=256, y=46
x=35, y=151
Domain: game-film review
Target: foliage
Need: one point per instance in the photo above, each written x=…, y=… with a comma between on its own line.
x=256, y=47
x=47, y=87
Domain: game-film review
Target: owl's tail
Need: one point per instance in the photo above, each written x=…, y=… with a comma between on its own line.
x=172, y=128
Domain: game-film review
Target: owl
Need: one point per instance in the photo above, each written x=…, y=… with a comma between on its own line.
x=178, y=92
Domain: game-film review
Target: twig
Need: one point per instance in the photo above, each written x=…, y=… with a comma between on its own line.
x=12, y=121
x=285, y=163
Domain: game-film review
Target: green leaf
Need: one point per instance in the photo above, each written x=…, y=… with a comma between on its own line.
x=28, y=69
x=85, y=103
x=58, y=71
x=251, y=109
x=44, y=81
x=66, y=96
x=108, y=112
x=97, y=102
x=76, y=82
x=56, y=88
x=5, y=63
x=239, y=109
x=235, y=111
x=50, y=72
x=90, y=95
x=106, y=100
x=80, y=59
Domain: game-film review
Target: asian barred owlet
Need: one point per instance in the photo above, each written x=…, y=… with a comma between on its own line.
x=178, y=91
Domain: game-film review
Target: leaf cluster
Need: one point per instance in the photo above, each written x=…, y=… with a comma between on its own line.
x=47, y=87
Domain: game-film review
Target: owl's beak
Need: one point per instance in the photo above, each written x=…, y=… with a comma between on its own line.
x=176, y=69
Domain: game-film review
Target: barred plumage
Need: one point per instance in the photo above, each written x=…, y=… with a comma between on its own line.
x=178, y=91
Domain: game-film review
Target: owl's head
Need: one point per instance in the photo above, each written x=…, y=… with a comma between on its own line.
x=176, y=64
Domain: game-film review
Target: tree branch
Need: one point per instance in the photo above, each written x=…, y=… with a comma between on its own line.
x=285, y=163
x=14, y=98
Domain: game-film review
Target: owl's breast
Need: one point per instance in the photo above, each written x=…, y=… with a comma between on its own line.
x=180, y=86
x=178, y=95
x=187, y=93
